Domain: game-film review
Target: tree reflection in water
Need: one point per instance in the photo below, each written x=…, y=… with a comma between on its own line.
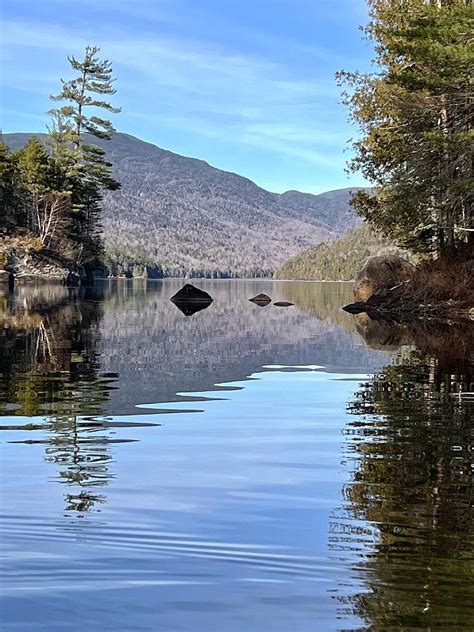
x=49, y=369
x=411, y=443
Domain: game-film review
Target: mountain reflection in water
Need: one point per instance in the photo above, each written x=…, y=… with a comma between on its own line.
x=313, y=499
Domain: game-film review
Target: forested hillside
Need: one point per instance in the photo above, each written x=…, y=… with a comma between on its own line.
x=176, y=216
x=338, y=260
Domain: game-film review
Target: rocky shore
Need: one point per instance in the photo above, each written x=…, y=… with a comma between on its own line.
x=391, y=288
x=20, y=263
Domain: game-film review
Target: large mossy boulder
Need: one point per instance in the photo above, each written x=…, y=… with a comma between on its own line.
x=381, y=273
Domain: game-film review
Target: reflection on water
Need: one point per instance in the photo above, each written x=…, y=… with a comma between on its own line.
x=49, y=362
x=71, y=358
x=49, y=370
x=336, y=496
x=157, y=351
x=411, y=444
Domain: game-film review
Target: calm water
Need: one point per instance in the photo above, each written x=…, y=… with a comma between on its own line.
x=242, y=469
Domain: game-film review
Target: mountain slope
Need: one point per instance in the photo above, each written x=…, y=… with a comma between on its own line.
x=338, y=260
x=181, y=216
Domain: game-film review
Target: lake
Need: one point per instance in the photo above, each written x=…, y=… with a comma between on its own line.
x=242, y=468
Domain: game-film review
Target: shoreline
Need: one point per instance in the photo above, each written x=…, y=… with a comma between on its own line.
x=436, y=291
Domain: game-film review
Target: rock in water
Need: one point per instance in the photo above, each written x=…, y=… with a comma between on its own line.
x=355, y=308
x=379, y=273
x=191, y=299
x=261, y=300
x=283, y=304
x=191, y=293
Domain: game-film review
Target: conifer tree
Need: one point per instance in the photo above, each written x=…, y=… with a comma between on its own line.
x=33, y=170
x=87, y=171
x=11, y=209
x=46, y=204
x=416, y=115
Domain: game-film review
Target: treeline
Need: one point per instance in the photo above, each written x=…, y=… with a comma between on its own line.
x=132, y=270
x=51, y=193
x=165, y=256
x=338, y=260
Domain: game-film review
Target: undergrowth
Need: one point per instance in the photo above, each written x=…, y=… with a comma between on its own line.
x=443, y=280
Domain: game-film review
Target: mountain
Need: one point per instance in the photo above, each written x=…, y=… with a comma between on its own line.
x=338, y=260
x=181, y=216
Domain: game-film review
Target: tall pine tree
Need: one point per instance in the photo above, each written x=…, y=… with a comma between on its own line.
x=87, y=171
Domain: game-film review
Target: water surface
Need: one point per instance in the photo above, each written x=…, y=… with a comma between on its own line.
x=242, y=468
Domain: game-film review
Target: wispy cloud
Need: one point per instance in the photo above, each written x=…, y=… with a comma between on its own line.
x=255, y=137
x=201, y=86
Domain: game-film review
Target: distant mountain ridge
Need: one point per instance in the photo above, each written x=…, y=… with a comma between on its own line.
x=180, y=216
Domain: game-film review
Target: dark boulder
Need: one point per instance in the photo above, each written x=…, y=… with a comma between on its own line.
x=191, y=293
x=191, y=299
x=261, y=300
x=381, y=273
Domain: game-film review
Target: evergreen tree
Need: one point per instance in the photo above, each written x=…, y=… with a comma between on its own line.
x=87, y=171
x=416, y=118
x=45, y=202
x=51, y=196
x=33, y=171
x=10, y=202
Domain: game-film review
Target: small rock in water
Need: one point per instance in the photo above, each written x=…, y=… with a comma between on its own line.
x=261, y=300
x=283, y=304
x=355, y=308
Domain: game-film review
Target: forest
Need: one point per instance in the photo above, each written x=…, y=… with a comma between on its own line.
x=415, y=116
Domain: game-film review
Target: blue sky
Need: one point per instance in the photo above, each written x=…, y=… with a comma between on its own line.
x=247, y=85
